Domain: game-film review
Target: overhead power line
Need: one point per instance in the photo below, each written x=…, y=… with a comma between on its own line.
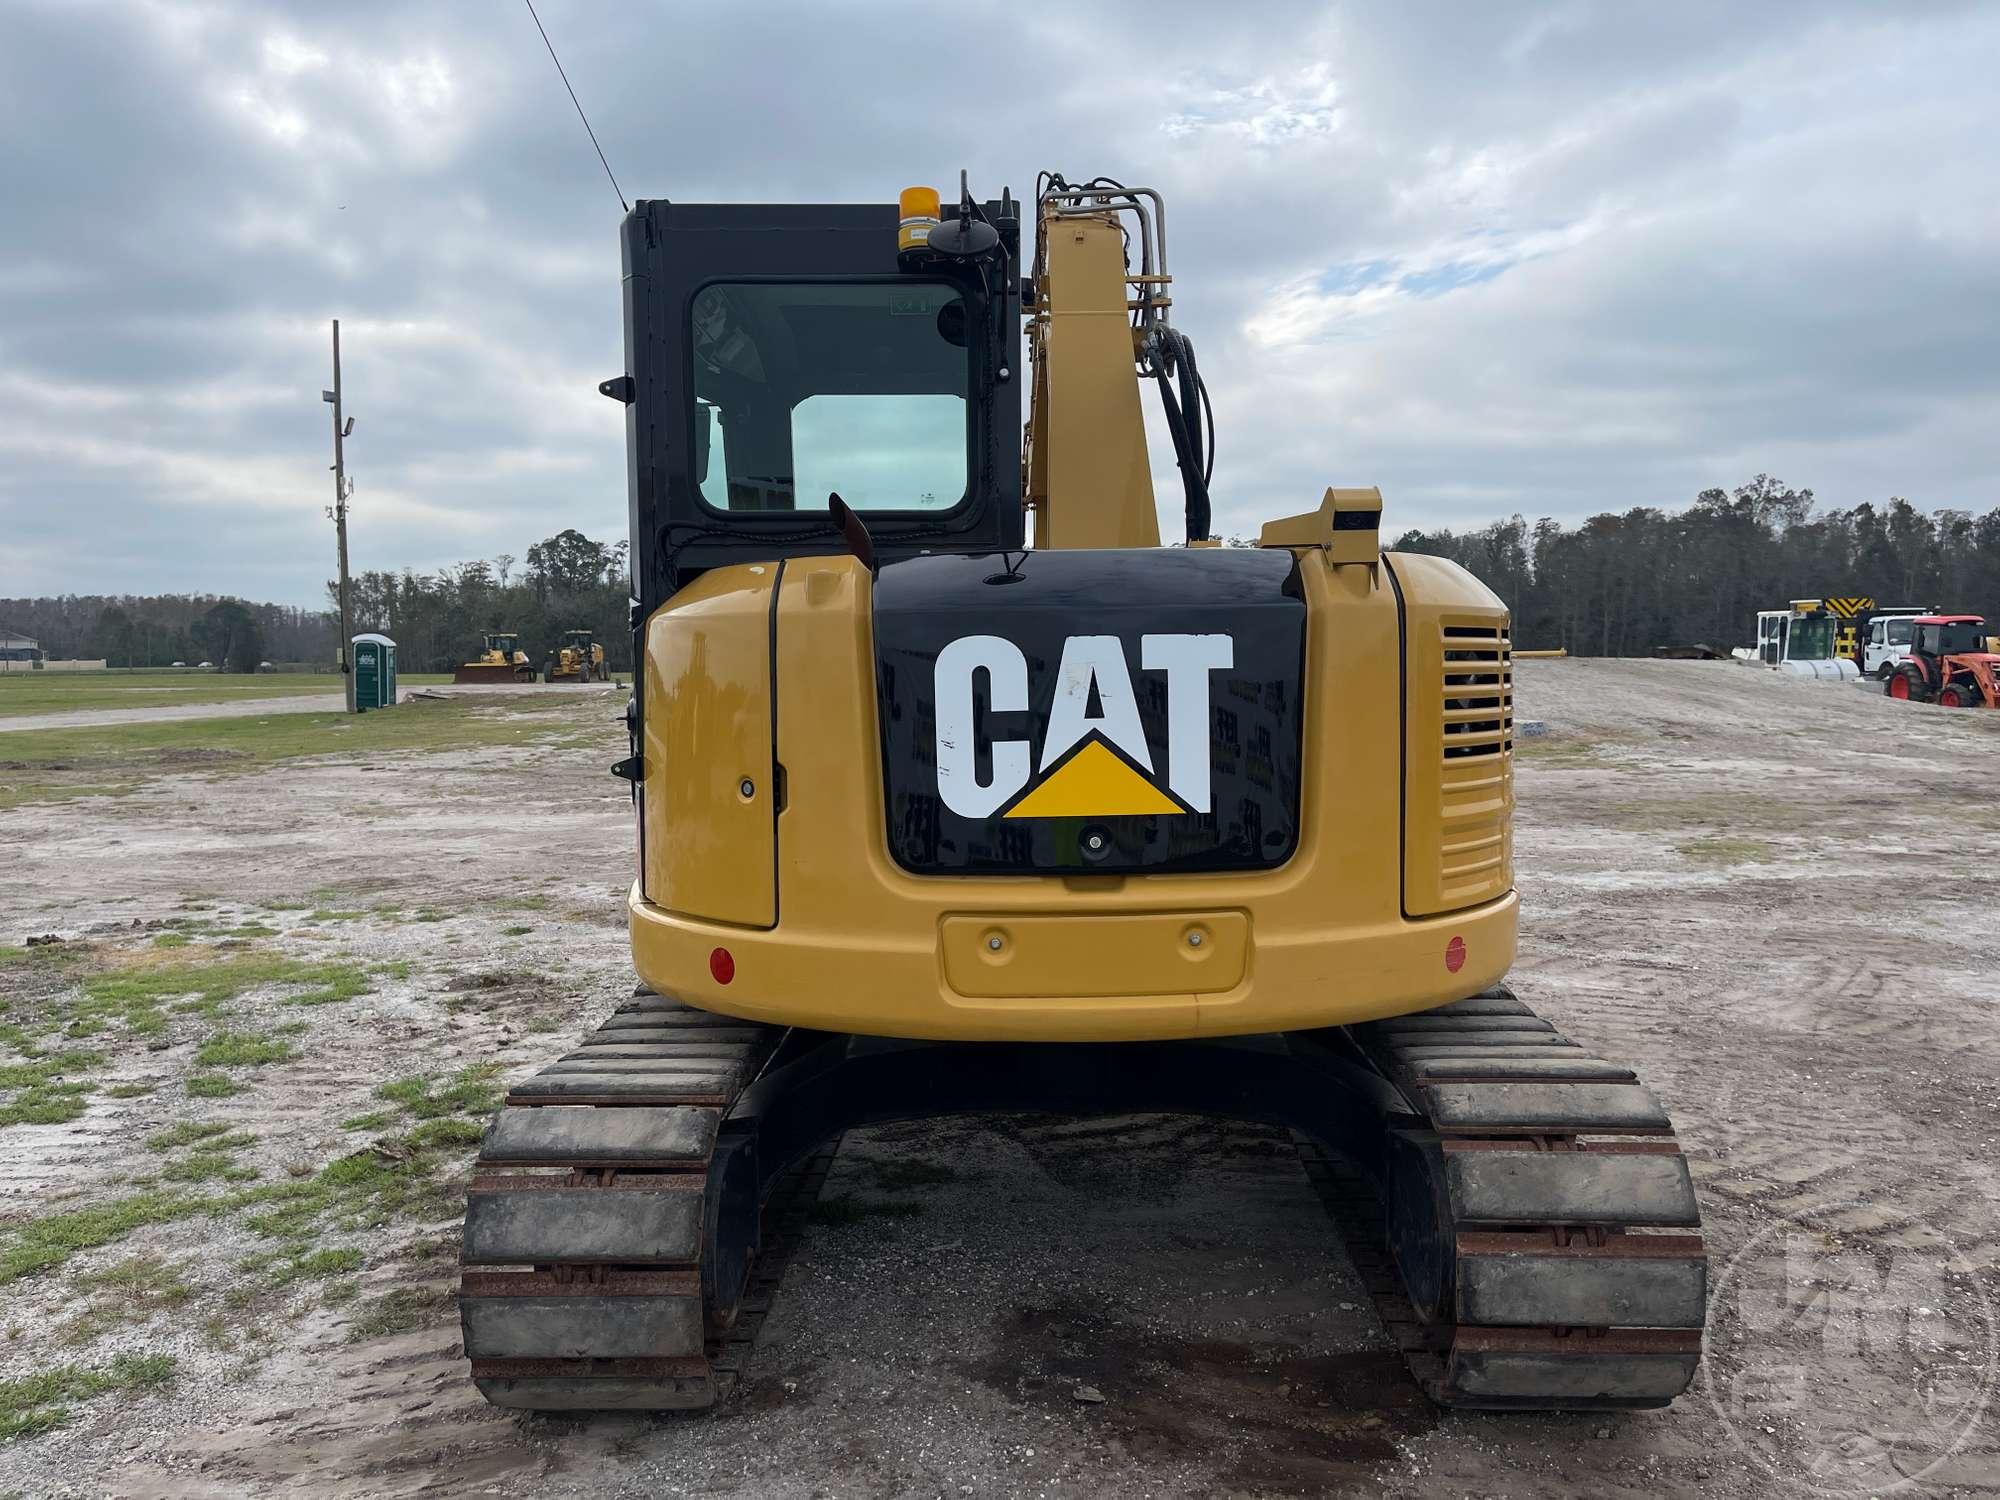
x=577, y=102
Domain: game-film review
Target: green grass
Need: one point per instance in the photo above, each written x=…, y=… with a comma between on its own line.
x=44, y=765
x=210, y=1160
x=378, y=1119
x=515, y=931
x=140, y=990
x=427, y=1097
x=212, y=1086
x=203, y=983
x=188, y=1133
x=300, y=1262
x=131, y=1291
x=243, y=1049
x=1728, y=851
x=40, y=1244
x=50, y=1104
x=208, y=1166
x=130, y=1090
x=398, y=1312
x=143, y=1277
x=39, y=1402
x=40, y=1088
x=46, y=1067
x=363, y=1191
x=450, y=1131
x=71, y=692
x=340, y=1290
x=406, y=1177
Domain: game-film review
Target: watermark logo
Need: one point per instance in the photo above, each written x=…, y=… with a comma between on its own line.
x=1849, y=1360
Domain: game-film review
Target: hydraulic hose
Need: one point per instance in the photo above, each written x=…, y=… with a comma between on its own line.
x=1187, y=441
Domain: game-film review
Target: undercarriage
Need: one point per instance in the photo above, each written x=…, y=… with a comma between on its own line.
x=1518, y=1208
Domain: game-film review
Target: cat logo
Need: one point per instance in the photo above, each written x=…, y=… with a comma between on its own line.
x=1094, y=761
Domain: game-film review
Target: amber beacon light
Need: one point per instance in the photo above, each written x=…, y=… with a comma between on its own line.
x=919, y=218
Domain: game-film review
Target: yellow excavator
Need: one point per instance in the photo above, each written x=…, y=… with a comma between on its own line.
x=942, y=812
x=500, y=659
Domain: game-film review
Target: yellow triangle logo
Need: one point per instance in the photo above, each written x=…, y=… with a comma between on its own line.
x=1093, y=783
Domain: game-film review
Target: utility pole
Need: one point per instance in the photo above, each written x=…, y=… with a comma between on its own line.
x=342, y=426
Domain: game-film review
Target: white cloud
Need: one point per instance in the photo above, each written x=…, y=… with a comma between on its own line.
x=1555, y=260
x=1263, y=112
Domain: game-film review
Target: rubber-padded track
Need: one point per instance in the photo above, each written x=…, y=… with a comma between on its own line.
x=587, y=1228
x=1535, y=1242
x=1525, y=1221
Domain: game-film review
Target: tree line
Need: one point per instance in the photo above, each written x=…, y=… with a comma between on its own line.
x=567, y=582
x=1627, y=584
x=157, y=630
x=1614, y=585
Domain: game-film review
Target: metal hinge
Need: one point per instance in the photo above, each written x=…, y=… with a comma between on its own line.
x=632, y=768
x=619, y=388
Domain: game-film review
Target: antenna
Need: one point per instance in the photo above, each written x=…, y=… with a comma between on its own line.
x=579, y=105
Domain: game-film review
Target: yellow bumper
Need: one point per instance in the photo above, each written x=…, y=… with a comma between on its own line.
x=996, y=975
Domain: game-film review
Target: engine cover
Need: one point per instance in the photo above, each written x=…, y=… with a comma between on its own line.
x=1091, y=712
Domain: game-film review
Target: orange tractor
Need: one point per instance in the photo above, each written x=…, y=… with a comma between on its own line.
x=1949, y=663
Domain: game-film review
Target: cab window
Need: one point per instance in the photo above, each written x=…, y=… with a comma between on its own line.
x=802, y=390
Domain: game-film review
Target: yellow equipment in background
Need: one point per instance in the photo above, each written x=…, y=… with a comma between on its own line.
x=932, y=821
x=579, y=659
x=501, y=660
x=1848, y=612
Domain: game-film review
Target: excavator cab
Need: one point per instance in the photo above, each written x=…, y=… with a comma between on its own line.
x=777, y=354
x=932, y=820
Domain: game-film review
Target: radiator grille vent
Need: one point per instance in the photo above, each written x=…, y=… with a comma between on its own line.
x=1473, y=775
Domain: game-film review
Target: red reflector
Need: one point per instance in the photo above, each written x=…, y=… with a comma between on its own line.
x=723, y=967
x=1454, y=954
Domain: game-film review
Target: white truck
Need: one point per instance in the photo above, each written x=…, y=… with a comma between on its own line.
x=1884, y=638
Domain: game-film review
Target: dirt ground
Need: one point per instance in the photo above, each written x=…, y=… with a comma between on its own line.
x=1776, y=899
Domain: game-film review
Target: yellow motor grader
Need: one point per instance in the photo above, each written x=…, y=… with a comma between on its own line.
x=579, y=659
x=941, y=811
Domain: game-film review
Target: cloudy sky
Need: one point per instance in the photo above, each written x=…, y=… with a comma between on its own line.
x=1550, y=259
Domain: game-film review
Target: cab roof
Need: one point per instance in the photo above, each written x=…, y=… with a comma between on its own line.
x=1949, y=620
